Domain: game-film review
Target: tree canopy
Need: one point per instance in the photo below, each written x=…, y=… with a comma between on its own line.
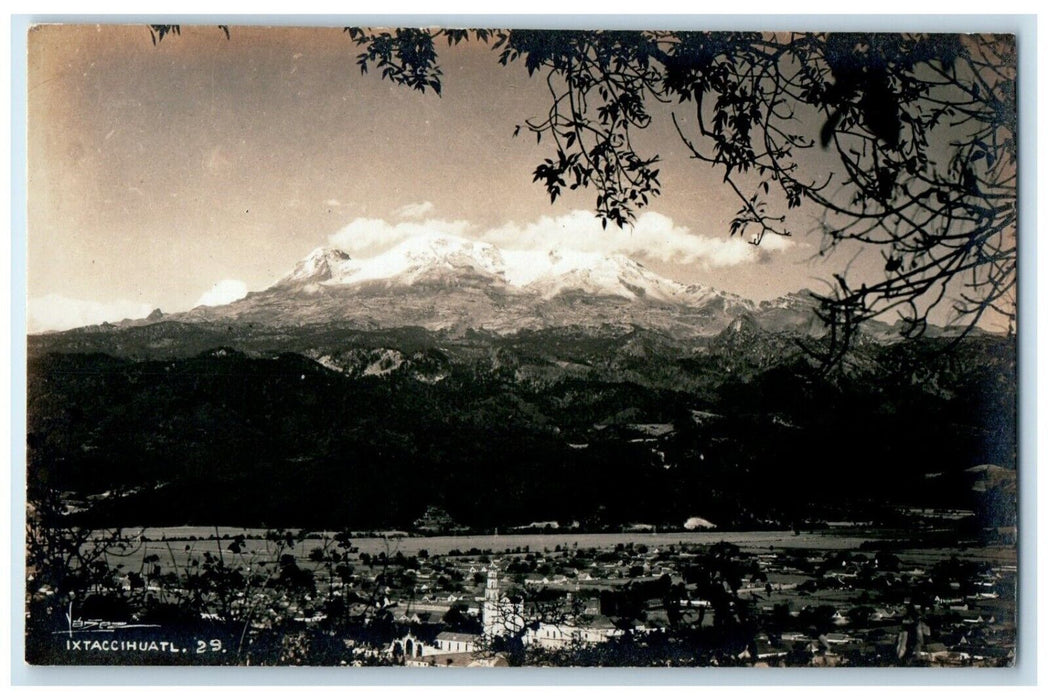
x=904, y=143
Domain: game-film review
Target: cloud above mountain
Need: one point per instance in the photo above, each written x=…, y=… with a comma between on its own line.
x=415, y=210
x=653, y=236
x=223, y=292
x=363, y=237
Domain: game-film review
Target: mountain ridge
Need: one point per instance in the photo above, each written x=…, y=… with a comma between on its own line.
x=452, y=286
x=441, y=282
x=328, y=405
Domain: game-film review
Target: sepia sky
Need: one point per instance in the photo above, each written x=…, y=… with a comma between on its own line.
x=197, y=169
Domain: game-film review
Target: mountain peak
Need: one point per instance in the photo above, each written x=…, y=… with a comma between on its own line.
x=320, y=265
x=449, y=260
x=440, y=281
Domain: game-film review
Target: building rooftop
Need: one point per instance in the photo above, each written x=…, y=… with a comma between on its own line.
x=457, y=637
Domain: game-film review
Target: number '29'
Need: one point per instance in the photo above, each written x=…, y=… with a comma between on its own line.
x=213, y=645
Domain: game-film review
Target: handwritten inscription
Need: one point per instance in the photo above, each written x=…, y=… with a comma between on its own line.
x=97, y=625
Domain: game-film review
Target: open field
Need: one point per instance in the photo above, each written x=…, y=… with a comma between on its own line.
x=163, y=541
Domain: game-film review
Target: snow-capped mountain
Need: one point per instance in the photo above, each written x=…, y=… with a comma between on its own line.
x=442, y=282
x=319, y=266
x=450, y=260
x=453, y=285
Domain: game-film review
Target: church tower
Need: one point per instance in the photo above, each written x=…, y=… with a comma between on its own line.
x=490, y=617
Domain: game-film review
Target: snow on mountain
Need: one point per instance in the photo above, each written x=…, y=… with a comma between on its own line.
x=319, y=266
x=450, y=259
x=557, y=272
x=447, y=283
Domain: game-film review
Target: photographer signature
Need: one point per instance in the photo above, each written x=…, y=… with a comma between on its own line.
x=79, y=624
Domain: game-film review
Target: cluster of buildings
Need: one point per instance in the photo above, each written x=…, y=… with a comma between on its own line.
x=819, y=607
x=812, y=608
x=868, y=617
x=500, y=616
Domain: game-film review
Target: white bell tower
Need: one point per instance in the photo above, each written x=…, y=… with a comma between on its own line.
x=490, y=617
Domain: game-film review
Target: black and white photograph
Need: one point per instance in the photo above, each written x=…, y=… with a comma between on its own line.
x=357, y=346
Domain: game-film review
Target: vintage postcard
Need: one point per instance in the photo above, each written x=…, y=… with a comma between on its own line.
x=481, y=347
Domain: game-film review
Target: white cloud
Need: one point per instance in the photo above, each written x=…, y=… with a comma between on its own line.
x=333, y=202
x=368, y=236
x=223, y=292
x=654, y=236
x=55, y=312
x=415, y=210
